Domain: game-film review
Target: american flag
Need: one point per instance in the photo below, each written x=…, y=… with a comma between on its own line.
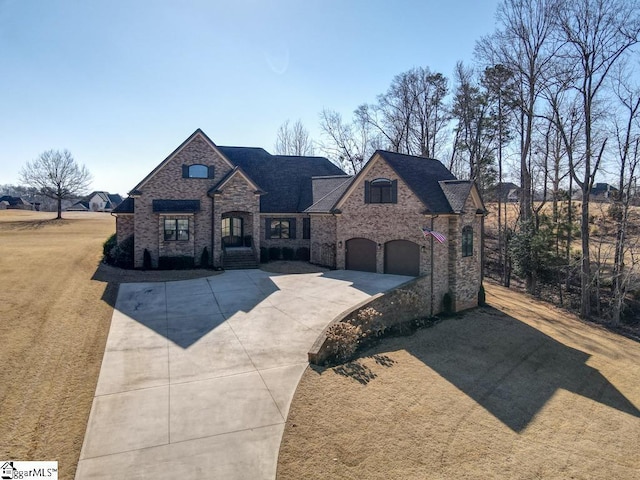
x=437, y=235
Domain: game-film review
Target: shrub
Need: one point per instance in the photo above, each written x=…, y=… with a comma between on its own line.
x=343, y=338
x=248, y=239
x=107, y=248
x=302, y=254
x=274, y=253
x=482, y=296
x=447, y=304
x=146, y=260
x=287, y=253
x=123, y=253
x=264, y=255
x=204, y=258
x=181, y=262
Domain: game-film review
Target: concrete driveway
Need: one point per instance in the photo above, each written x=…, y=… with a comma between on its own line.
x=198, y=375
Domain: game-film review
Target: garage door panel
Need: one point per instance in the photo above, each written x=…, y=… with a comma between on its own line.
x=361, y=255
x=402, y=257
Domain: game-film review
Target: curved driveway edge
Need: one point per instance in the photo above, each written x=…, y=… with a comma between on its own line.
x=198, y=375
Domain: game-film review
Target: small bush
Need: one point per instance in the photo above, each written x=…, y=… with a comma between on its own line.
x=204, y=258
x=123, y=253
x=343, y=338
x=303, y=254
x=264, y=255
x=146, y=260
x=248, y=240
x=107, y=248
x=447, y=304
x=182, y=262
x=482, y=296
x=274, y=253
x=287, y=253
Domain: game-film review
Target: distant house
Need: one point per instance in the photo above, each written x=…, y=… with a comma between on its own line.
x=16, y=203
x=97, y=201
x=3, y=205
x=603, y=192
x=505, y=192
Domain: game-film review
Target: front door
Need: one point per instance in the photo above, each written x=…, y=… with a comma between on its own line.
x=231, y=232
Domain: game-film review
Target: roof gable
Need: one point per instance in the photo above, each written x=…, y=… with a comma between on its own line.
x=422, y=176
x=197, y=134
x=236, y=172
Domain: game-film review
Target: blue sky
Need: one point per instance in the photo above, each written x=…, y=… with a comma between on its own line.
x=121, y=83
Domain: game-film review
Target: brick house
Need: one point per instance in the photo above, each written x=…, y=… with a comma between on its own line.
x=237, y=200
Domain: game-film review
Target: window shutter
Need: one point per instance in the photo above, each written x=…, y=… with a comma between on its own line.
x=292, y=228
x=306, y=228
x=267, y=228
x=366, y=191
x=394, y=191
x=185, y=171
x=210, y=172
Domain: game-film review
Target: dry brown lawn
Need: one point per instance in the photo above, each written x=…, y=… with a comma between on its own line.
x=517, y=390
x=55, y=312
x=53, y=330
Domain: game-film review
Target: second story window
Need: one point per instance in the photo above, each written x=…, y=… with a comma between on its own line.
x=381, y=190
x=197, y=171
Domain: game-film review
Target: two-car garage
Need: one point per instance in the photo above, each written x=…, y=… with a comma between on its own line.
x=401, y=257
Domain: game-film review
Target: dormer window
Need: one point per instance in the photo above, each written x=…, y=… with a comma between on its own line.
x=197, y=171
x=381, y=190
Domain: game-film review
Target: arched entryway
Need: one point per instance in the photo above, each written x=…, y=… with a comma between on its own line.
x=360, y=255
x=402, y=257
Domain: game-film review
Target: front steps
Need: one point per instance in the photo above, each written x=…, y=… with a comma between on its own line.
x=238, y=258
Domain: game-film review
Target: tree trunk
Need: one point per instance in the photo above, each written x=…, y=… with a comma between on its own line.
x=585, y=273
x=59, y=201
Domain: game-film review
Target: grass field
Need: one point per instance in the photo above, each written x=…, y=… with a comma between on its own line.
x=54, y=323
x=518, y=390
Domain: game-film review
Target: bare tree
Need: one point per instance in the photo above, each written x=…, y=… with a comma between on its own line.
x=348, y=144
x=595, y=34
x=627, y=132
x=56, y=175
x=293, y=140
x=411, y=116
x=524, y=44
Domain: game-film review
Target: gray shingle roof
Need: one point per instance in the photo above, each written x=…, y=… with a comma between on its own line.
x=457, y=192
x=423, y=176
x=286, y=180
x=176, y=206
x=126, y=206
x=327, y=191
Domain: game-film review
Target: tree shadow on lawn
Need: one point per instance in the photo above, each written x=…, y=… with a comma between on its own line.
x=508, y=367
x=35, y=224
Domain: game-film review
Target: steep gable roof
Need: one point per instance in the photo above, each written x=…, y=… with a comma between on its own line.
x=286, y=180
x=198, y=133
x=422, y=175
